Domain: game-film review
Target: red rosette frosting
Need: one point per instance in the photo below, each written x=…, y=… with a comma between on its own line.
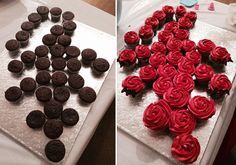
x=220, y=83
x=157, y=59
x=174, y=44
x=191, y=15
x=156, y=115
x=152, y=21
x=146, y=32
x=161, y=85
x=180, y=11
x=188, y=45
x=164, y=36
x=220, y=54
x=171, y=26
x=142, y=52
x=131, y=37
x=204, y=73
x=181, y=34
x=158, y=47
x=148, y=73
x=205, y=46
x=185, y=148
x=176, y=97
x=181, y=122
x=168, y=10
x=132, y=85
x=194, y=56
x=160, y=15
x=127, y=57
x=184, y=80
x=201, y=107
x=174, y=57
x=166, y=70
x=185, y=23
x=186, y=66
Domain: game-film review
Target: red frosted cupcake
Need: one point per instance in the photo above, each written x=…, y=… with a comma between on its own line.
x=132, y=85
x=201, y=107
x=180, y=12
x=152, y=21
x=166, y=70
x=186, y=66
x=158, y=47
x=205, y=46
x=176, y=97
x=156, y=115
x=192, y=16
x=185, y=148
x=171, y=26
x=194, y=57
x=161, y=85
x=220, y=55
x=146, y=34
x=161, y=16
x=148, y=74
x=181, y=34
x=184, y=80
x=185, y=23
x=219, y=85
x=174, y=44
x=188, y=46
x=157, y=59
x=164, y=36
x=204, y=73
x=131, y=39
x=169, y=11
x=143, y=53
x=181, y=122
x=127, y=58
x=174, y=57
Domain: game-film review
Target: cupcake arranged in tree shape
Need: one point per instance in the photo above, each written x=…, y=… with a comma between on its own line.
x=132, y=85
x=158, y=47
x=171, y=26
x=184, y=81
x=188, y=46
x=127, y=58
x=164, y=36
x=180, y=12
x=181, y=34
x=185, y=23
x=161, y=85
x=192, y=16
x=205, y=46
x=166, y=70
x=174, y=58
x=148, y=74
x=186, y=66
x=157, y=59
x=220, y=55
x=174, y=44
x=169, y=11
x=143, y=53
x=194, y=56
x=161, y=16
x=146, y=34
x=152, y=21
x=131, y=39
x=204, y=73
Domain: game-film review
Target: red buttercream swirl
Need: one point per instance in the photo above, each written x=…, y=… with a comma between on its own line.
x=191, y=15
x=160, y=15
x=204, y=73
x=152, y=21
x=205, y=46
x=185, y=23
x=142, y=51
x=168, y=9
x=164, y=36
x=146, y=32
x=158, y=47
x=220, y=54
x=127, y=57
x=171, y=26
x=184, y=80
x=161, y=85
x=188, y=45
x=180, y=11
x=174, y=44
x=166, y=70
x=157, y=59
x=133, y=83
x=131, y=37
x=181, y=34
x=220, y=83
x=174, y=57
x=186, y=66
x=194, y=57
x=148, y=73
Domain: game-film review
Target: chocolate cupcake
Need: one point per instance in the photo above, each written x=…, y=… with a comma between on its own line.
x=146, y=34
x=68, y=16
x=55, y=14
x=61, y=94
x=88, y=56
x=53, y=109
x=57, y=30
x=28, y=57
x=53, y=128
x=42, y=63
x=35, y=119
x=59, y=78
x=72, y=51
x=73, y=65
x=12, y=46
x=76, y=81
x=13, y=93
x=43, y=12
x=43, y=94
x=70, y=117
x=100, y=65
x=43, y=77
x=23, y=38
x=64, y=40
x=87, y=94
x=27, y=26
x=49, y=39
x=35, y=18
x=15, y=66
x=55, y=150
x=69, y=27
x=131, y=39
x=57, y=50
x=41, y=51
x=28, y=84
x=58, y=63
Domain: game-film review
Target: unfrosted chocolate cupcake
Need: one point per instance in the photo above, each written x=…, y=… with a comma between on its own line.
x=57, y=30
x=23, y=37
x=76, y=81
x=70, y=117
x=12, y=46
x=28, y=84
x=57, y=50
x=43, y=94
x=61, y=94
x=35, y=18
x=87, y=94
x=73, y=65
x=55, y=14
x=59, y=78
x=49, y=39
x=100, y=65
x=13, y=93
x=58, y=63
x=69, y=27
x=15, y=66
x=43, y=77
x=72, y=51
x=64, y=40
x=43, y=12
x=42, y=63
x=28, y=57
x=27, y=26
x=35, y=119
x=53, y=128
x=68, y=16
x=53, y=109
x=88, y=56
x=55, y=150
x=41, y=51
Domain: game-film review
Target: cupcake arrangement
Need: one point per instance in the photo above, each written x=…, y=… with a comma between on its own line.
x=173, y=67
x=58, y=66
